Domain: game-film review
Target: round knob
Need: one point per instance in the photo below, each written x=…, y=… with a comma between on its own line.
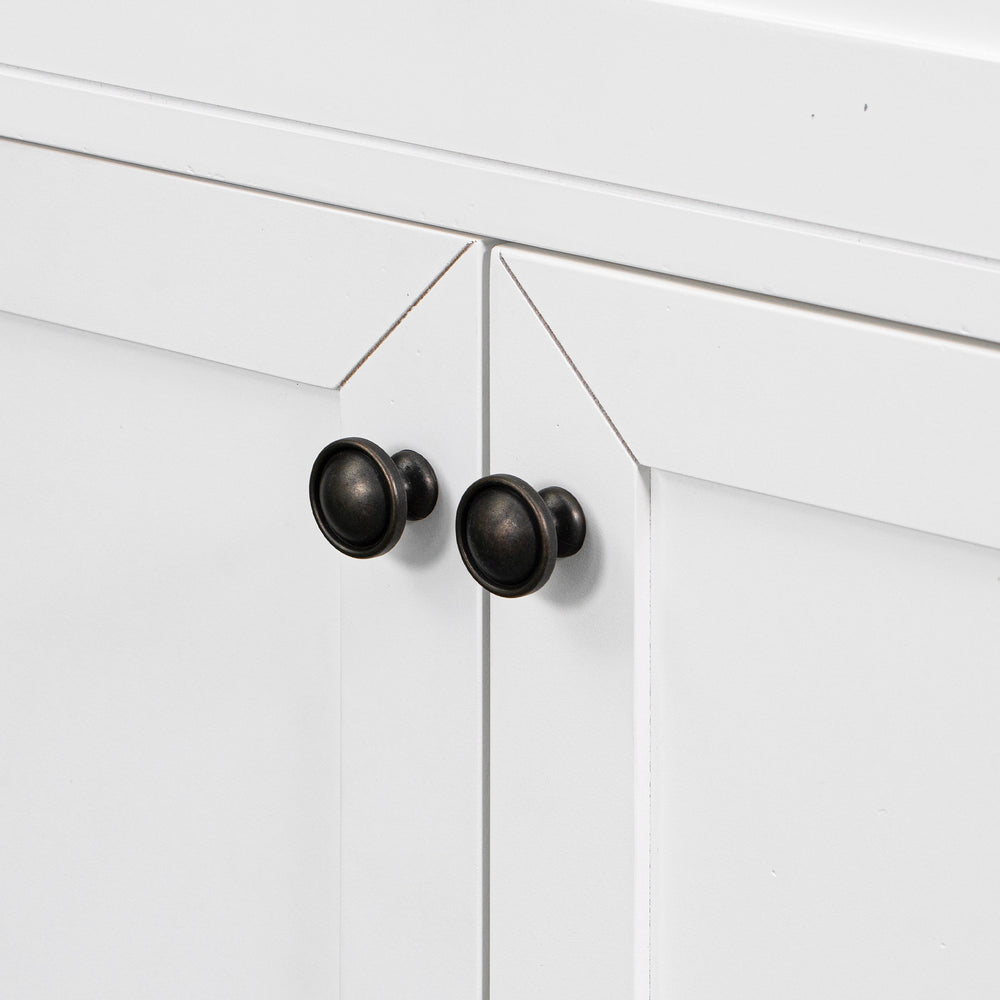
x=362, y=498
x=510, y=535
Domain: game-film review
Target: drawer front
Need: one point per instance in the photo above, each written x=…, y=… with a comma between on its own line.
x=840, y=130
x=271, y=284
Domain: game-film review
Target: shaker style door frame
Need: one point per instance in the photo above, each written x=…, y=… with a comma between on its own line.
x=350, y=326
x=412, y=674
x=833, y=466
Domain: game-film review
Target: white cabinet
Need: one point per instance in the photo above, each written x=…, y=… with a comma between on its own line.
x=745, y=743
x=234, y=764
x=741, y=744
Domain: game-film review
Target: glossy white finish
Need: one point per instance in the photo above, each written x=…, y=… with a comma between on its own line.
x=826, y=753
x=807, y=404
x=169, y=684
x=866, y=135
x=260, y=282
x=967, y=26
x=568, y=910
x=412, y=648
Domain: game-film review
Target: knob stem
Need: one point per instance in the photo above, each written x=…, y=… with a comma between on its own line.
x=571, y=525
x=420, y=482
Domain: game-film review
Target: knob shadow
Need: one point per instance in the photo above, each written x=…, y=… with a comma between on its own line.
x=427, y=542
x=576, y=577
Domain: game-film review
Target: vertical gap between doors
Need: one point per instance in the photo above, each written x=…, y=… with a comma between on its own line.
x=485, y=390
x=643, y=723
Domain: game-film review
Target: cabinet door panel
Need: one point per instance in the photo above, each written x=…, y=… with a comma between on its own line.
x=169, y=682
x=803, y=776
x=825, y=752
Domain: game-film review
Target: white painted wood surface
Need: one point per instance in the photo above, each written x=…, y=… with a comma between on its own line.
x=821, y=733
x=212, y=788
x=825, y=753
x=568, y=812
x=969, y=27
x=412, y=648
x=861, y=134
x=828, y=266
x=169, y=684
x=261, y=282
x=807, y=404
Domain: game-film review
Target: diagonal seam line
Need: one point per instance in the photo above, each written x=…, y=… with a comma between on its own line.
x=413, y=305
x=569, y=360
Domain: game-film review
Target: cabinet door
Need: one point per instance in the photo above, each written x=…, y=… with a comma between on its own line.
x=233, y=762
x=744, y=743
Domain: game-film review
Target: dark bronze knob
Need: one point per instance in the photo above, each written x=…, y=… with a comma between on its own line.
x=510, y=535
x=362, y=498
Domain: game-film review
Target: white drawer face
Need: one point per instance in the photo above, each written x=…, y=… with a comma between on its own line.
x=258, y=281
x=840, y=130
x=744, y=743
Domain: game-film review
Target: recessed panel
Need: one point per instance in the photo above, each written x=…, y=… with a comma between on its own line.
x=825, y=753
x=169, y=678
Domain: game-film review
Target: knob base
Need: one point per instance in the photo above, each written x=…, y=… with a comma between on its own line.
x=420, y=482
x=571, y=525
